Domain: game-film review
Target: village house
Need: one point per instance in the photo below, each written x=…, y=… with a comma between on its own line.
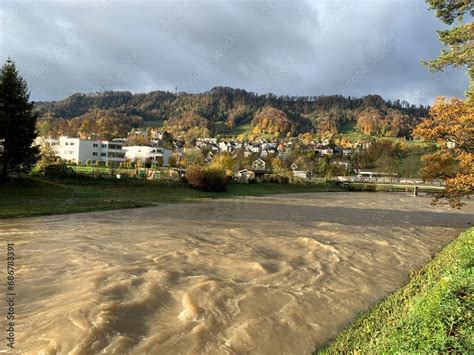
x=253, y=148
x=361, y=145
x=227, y=147
x=244, y=176
x=266, y=152
x=268, y=146
x=259, y=165
x=450, y=145
x=346, y=165
x=325, y=151
x=209, y=157
x=302, y=174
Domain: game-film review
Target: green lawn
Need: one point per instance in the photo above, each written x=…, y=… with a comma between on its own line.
x=432, y=313
x=35, y=196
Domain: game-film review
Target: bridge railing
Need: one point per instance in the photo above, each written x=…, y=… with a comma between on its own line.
x=388, y=180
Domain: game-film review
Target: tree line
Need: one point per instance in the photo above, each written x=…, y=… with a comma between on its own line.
x=197, y=115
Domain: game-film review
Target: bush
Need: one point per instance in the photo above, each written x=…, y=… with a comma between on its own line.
x=206, y=179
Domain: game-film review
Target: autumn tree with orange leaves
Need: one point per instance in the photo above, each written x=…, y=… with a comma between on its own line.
x=451, y=122
x=451, y=125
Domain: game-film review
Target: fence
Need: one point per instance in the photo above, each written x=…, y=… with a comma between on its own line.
x=388, y=180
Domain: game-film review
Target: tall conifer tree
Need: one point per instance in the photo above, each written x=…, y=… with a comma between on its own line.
x=17, y=120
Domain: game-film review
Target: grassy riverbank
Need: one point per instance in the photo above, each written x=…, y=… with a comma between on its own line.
x=34, y=196
x=432, y=313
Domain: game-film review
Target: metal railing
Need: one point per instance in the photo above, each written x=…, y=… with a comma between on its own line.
x=388, y=180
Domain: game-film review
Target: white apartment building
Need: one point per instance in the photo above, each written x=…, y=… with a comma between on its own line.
x=81, y=150
x=144, y=153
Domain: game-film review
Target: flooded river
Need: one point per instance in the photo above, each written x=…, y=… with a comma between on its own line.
x=270, y=275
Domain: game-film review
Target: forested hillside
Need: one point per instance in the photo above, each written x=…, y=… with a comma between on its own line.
x=222, y=111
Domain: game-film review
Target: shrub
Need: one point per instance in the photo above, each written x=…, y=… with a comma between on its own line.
x=88, y=162
x=206, y=179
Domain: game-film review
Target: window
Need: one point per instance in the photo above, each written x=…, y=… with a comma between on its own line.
x=71, y=143
x=116, y=155
x=94, y=154
x=103, y=154
x=66, y=143
x=95, y=145
x=103, y=145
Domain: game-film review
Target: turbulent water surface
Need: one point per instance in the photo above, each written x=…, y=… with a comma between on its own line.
x=269, y=275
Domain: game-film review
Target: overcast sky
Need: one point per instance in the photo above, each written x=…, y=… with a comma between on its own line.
x=298, y=47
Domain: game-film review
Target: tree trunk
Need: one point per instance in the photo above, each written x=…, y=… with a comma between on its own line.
x=5, y=163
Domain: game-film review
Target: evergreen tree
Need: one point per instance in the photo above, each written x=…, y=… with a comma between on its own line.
x=458, y=39
x=17, y=120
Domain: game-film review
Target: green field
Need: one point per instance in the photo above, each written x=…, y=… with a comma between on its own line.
x=36, y=196
x=242, y=129
x=432, y=313
x=235, y=131
x=349, y=131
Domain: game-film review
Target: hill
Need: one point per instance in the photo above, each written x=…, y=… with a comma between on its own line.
x=227, y=111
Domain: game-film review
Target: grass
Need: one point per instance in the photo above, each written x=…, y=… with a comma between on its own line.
x=81, y=169
x=32, y=196
x=235, y=131
x=349, y=131
x=241, y=129
x=432, y=313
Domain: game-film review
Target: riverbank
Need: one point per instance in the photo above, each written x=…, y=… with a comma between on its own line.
x=431, y=313
x=26, y=197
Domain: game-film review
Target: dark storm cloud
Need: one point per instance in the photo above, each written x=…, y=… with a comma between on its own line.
x=353, y=47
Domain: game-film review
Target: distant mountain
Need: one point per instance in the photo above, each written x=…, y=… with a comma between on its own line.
x=222, y=110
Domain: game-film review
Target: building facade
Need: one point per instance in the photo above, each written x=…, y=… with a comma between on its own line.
x=148, y=154
x=81, y=150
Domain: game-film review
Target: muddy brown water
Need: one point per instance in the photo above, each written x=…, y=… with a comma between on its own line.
x=270, y=275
